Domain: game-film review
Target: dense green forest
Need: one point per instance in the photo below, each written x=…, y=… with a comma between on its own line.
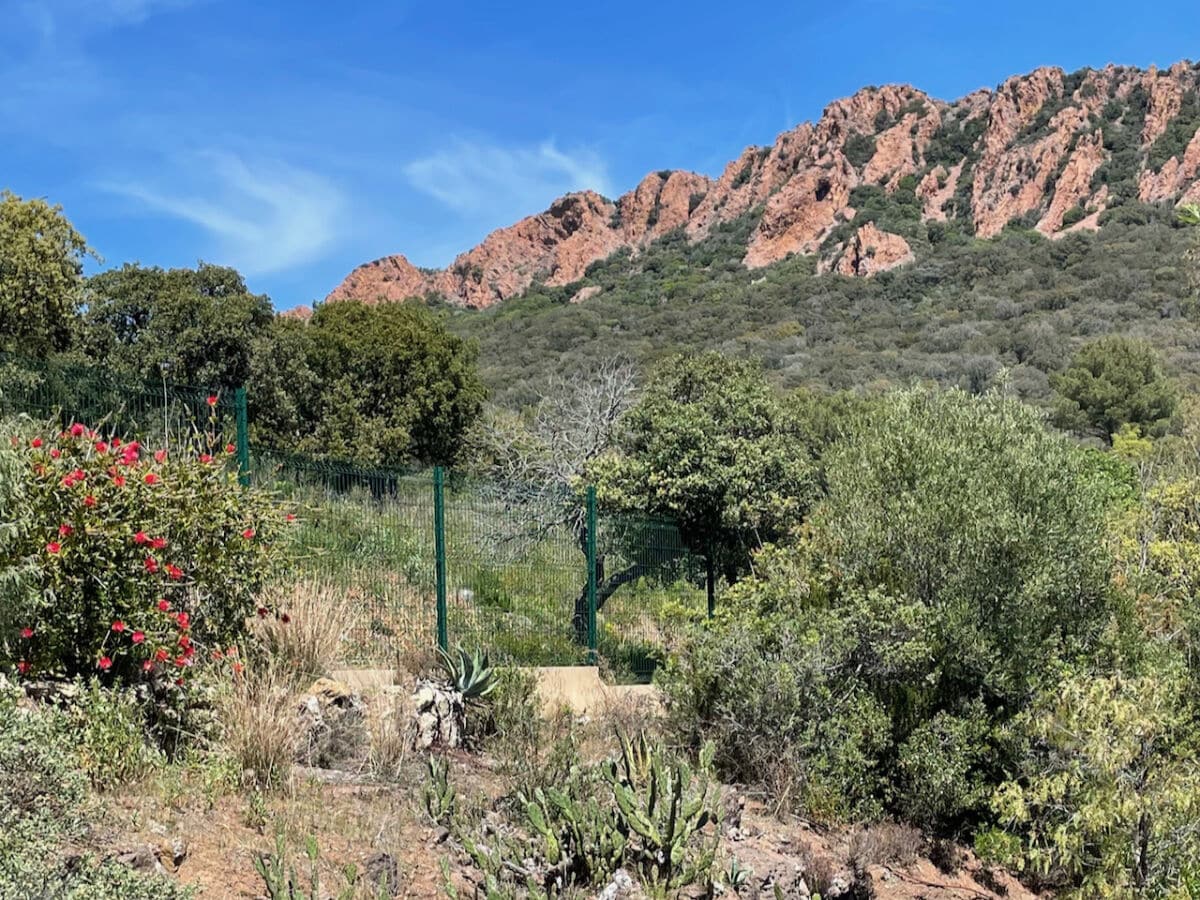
x=963, y=311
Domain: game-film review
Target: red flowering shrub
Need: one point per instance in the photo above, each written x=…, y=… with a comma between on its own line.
x=143, y=560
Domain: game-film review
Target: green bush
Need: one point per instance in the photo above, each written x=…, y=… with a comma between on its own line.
x=145, y=561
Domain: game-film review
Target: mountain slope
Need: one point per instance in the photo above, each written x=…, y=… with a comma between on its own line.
x=879, y=178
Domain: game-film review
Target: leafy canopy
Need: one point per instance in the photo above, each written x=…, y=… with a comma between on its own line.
x=1114, y=381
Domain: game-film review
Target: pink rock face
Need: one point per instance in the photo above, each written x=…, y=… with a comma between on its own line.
x=872, y=251
x=1041, y=147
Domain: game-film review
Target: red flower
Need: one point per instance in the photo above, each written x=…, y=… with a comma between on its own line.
x=137, y=637
x=119, y=480
x=248, y=534
x=212, y=399
x=35, y=443
x=161, y=655
x=147, y=665
x=158, y=543
x=27, y=632
x=118, y=626
x=53, y=547
x=79, y=475
x=104, y=663
x=39, y=469
x=101, y=447
x=237, y=668
x=289, y=518
x=64, y=529
x=232, y=651
x=116, y=442
x=68, y=482
x=184, y=641
x=163, y=605
x=140, y=538
x=262, y=612
x=178, y=682
x=285, y=618
x=184, y=620
x=229, y=448
x=181, y=661
x=89, y=500
x=77, y=430
x=174, y=571
x=217, y=654
x=160, y=456
x=205, y=458
x=151, y=565
x=55, y=453
x=151, y=478
x=23, y=667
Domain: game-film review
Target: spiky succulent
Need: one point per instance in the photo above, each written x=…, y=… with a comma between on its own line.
x=469, y=673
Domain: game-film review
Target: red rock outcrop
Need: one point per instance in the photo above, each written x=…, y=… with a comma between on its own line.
x=1035, y=150
x=872, y=251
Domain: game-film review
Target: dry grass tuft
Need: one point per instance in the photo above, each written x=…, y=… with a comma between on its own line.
x=261, y=727
x=885, y=844
x=391, y=734
x=307, y=637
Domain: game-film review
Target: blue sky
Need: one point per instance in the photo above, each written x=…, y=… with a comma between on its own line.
x=297, y=139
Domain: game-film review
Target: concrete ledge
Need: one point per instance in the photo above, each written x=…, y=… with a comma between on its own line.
x=578, y=688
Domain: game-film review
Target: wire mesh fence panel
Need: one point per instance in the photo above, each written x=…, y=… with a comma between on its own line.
x=155, y=414
x=516, y=568
x=647, y=585
x=367, y=534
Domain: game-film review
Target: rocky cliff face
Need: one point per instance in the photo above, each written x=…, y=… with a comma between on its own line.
x=1049, y=150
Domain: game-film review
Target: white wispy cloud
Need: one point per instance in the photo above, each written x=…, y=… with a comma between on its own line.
x=263, y=216
x=478, y=178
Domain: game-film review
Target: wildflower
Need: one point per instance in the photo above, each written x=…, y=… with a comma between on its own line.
x=116, y=442
x=140, y=538
x=160, y=456
x=39, y=469
x=118, y=626
x=104, y=663
x=237, y=668
x=35, y=443
x=27, y=632
x=181, y=661
x=79, y=475
x=138, y=637
x=205, y=458
x=183, y=620
x=64, y=529
x=163, y=606
x=77, y=430
x=161, y=655
x=232, y=651
x=262, y=612
x=119, y=480
x=248, y=534
x=89, y=500
x=147, y=665
x=229, y=448
x=184, y=641
x=175, y=572
x=212, y=399
x=23, y=667
x=55, y=453
x=68, y=482
x=101, y=447
x=151, y=478
x=53, y=547
x=158, y=543
x=290, y=517
x=217, y=654
x=151, y=565
x=285, y=618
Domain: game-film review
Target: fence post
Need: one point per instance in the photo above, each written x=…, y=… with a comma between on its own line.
x=591, y=573
x=243, y=437
x=439, y=549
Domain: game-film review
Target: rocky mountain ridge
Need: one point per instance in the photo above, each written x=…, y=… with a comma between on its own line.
x=1049, y=150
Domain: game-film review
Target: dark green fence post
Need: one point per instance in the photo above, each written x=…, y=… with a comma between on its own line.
x=243, y=437
x=591, y=573
x=439, y=550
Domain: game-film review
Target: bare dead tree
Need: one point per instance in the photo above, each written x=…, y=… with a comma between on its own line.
x=541, y=461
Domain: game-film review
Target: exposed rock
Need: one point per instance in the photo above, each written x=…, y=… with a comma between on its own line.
x=382, y=873
x=620, y=885
x=143, y=858
x=333, y=726
x=1041, y=147
x=586, y=293
x=438, y=716
x=872, y=251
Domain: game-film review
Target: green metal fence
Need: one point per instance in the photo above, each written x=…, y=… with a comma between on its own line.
x=535, y=576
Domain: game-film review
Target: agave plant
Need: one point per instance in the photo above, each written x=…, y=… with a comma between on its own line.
x=469, y=673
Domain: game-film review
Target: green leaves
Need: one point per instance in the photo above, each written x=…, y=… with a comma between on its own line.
x=469, y=673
